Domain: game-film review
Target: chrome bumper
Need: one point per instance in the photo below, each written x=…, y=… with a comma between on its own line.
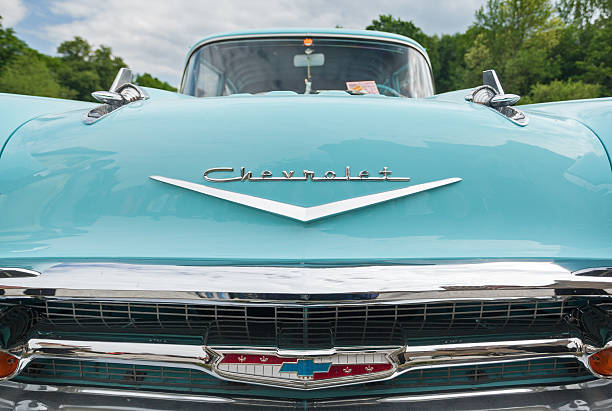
x=593, y=395
x=301, y=285
x=305, y=287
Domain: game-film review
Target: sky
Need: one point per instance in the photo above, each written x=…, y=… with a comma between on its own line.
x=154, y=36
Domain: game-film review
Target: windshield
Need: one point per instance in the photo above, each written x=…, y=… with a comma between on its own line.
x=307, y=65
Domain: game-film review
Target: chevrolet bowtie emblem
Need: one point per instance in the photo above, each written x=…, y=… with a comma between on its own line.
x=305, y=372
x=304, y=214
x=306, y=368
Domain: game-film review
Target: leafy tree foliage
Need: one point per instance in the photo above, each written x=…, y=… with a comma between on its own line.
x=584, y=12
x=78, y=70
x=407, y=28
x=516, y=38
x=585, y=48
x=23, y=70
x=453, y=73
x=558, y=90
x=147, y=80
x=28, y=74
x=539, y=49
x=10, y=45
x=83, y=69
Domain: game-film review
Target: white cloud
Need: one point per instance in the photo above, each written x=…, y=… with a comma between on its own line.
x=12, y=12
x=155, y=36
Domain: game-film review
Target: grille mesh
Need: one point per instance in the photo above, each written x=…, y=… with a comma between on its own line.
x=304, y=325
x=52, y=371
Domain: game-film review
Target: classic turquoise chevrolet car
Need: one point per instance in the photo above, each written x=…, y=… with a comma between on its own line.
x=305, y=223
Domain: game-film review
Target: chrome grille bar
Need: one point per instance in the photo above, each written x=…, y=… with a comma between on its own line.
x=169, y=377
x=207, y=359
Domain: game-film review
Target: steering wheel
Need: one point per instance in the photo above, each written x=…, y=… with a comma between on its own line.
x=387, y=91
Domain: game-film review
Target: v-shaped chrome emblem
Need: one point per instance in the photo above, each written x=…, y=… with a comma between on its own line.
x=306, y=214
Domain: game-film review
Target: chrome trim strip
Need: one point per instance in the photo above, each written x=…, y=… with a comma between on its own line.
x=436, y=356
x=201, y=44
x=183, y=356
x=305, y=285
x=17, y=273
x=207, y=359
x=306, y=214
x=154, y=395
x=595, y=272
x=457, y=395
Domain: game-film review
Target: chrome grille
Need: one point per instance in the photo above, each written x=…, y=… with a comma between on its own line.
x=366, y=324
x=50, y=371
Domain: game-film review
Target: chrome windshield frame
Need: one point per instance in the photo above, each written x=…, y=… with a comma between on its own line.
x=304, y=34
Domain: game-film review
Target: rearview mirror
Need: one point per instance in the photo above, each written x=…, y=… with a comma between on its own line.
x=316, y=59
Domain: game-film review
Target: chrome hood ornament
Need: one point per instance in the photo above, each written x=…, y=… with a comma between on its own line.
x=121, y=93
x=492, y=94
x=304, y=214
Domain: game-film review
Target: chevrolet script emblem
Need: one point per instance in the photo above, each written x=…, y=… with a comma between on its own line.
x=289, y=175
x=304, y=214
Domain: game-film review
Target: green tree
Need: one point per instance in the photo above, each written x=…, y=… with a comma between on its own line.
x=10, y=45
x=407, y=28
x=106, y=65
x=74, y=70
x=517, y=39
x=147, y=80
x=584, y=12
x=446, y=52
x=28, y=74
x=75, y=50
x=585, y=49
x=558, y=90
x=83, y=69
x=75, y=73
x=453, y=73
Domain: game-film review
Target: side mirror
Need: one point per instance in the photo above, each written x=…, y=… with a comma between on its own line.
x=492, y=94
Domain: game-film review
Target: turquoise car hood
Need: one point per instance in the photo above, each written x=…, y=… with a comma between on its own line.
x=73, y=190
